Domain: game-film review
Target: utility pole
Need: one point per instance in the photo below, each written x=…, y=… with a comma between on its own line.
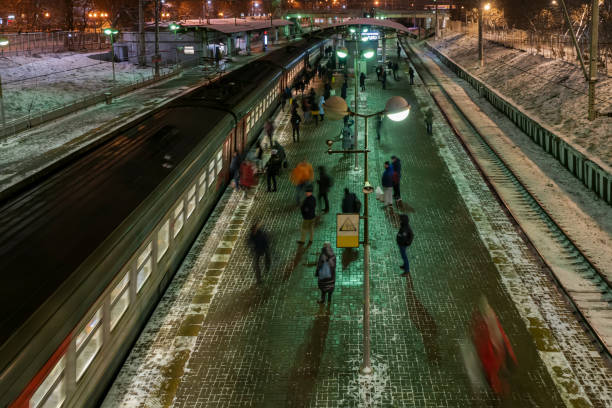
x=437, y=22
x=355, y=69
x=480, y=42
x=593, y=58
x=157, y=58
x=142, y=50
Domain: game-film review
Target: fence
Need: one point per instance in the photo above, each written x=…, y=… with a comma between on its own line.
x=554, y=46
x=59, y=41
x=578, y=163
x=20, y=124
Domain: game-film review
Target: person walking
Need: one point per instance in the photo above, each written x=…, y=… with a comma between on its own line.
x=280, y=150
x=404, y=240
x=343, y=89
x=387, y=183
x=295, y=125
x=395, y=69
x=378, y=72
x=269, y=128
x=326, y=273
x=399, y=51
x=272, y=169
x=362, y=79
x=325, y=183
x=396, y=164
x=301, y=176
x=247, y=176
x=260, y=245
x=379, y=121
x=308, y=209
x=384, y=79
x=235, y=171
x=347, y=135
x=321, y=109
x=350, y=203
x=411, y=75
x=429, y=120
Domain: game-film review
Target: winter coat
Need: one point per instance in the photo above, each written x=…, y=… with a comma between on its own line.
x=295, y=119
x=362, y=79
x=269, y=127
x=308, y=208
x=347, y=138
x=281, y=151
x=235, y=165
x=274, y=165
x=324, y=182
x=404, y=235
x=247, y=175
x=349, y=203
x=387, y=177
x=258, y=240
x=321, y=102
x=343, y=91
x=327, y=254
x=397, y=167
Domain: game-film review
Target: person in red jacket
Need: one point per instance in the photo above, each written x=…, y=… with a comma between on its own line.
x=247, y=176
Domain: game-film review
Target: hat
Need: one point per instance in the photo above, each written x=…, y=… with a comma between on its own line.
x=274, y=151
x=309, y=189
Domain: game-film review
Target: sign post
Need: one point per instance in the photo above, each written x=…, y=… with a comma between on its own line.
x=347, y=230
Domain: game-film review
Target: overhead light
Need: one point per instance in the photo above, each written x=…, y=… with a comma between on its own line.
x=368, y=54
x=397, y=109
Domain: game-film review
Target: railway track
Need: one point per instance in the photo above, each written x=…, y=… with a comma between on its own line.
x=585, y=287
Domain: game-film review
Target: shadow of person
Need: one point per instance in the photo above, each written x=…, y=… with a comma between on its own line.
x=404, y=207
x=349, y=255
x=423, y=321
x=233, y=307
x=305, y=370
x=291, y=264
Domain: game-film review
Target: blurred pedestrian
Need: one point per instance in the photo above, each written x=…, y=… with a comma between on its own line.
x=283, y=101
x=429, y=120
x=396, y=164
x=343, y=90
x=387, y=183
x=281, y=153
x=395, y=69
x=321, y=109
x=247, y=176
x=378, y=71
x=295, y=125
x=326, y=273
x=325, y=182
x=399, y=50
x=350, y=203
x=347, y=136
x=260, y=245
x=272, y=169
x=308, y=209
x=411, y=75
x=384, y=79
x=379, y=121
x=404, y=240
x=301, y=176
x=269, y=128
x=235, y=170
x=362, y=79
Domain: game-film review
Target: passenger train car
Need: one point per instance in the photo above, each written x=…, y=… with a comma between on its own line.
x=87, y=253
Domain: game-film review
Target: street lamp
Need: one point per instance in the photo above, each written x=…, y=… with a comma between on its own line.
x=3, y=43
x=396, y=109
x=111, y=32
x=367, y=54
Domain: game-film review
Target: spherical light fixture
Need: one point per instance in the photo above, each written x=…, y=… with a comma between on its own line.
x=342, y=52
x=335, y=108
x=368, y=54
x=397, y=109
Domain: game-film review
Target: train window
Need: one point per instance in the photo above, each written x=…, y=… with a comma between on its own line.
x=179, y=218
x=120, y=300
x=211, y=173
x=145, y=267
x=88, y=343
x=202, y=189
x=191, y=201
x=219, y=161
x=163, y=239
x=51, y=392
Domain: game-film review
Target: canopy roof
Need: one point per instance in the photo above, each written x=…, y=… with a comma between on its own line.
x=371, y=22
x=230, y=25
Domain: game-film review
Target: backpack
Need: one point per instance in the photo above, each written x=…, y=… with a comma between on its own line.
x=325, y=271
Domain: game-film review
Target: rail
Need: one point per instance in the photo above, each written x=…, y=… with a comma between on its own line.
x=573, y=158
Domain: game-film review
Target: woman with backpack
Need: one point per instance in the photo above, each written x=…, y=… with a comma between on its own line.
x=404, y=240
x=326, y=272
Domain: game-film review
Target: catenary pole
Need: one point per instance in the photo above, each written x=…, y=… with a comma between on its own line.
x=355, y=66
x=142, y=57
x=480, y=42
x=156, y=38
x=593, y=58
x=366, y=367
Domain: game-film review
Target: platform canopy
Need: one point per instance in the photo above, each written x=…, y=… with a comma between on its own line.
x=230, y=25
x=370, y=22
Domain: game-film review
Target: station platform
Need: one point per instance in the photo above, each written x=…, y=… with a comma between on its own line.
x=219, y=339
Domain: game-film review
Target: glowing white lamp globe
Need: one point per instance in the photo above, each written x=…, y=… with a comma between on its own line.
x=397, y=109
x=342, y=52
x=368, y=54
x=335, y=108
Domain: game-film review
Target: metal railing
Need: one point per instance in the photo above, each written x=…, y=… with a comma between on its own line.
x=56, y=41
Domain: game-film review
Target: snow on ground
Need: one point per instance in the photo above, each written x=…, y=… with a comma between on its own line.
x=39, y=83
x=552, y=91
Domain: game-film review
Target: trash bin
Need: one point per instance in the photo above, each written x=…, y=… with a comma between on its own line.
x=108, y=96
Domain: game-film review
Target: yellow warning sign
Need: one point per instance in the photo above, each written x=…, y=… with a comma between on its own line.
x=347, y=230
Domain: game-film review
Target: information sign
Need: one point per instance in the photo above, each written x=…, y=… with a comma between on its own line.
x=347, y=230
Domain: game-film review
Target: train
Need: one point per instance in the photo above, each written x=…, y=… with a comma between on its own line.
x=87, y=253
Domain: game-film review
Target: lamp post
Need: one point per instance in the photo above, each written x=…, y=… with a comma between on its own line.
x=174, y=27
x=111, y=32
x=396, y=109
x=367, y=54
x=3, y=43
x=481, y=9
